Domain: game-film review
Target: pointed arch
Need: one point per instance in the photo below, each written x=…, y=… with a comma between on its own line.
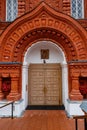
x=47, y=23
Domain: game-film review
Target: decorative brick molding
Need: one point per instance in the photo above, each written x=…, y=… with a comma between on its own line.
x=14, y=94
x=83, y=22
x=66, y=7
x=39, y=34
x=58, y=5
x=14, y=71
x=3, y=26
x=76, y=70
x=21, y=7
x=25, y=6
x=41, y=19
x=1, y=93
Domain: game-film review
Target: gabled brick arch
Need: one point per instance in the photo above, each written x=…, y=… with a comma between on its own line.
x=14, y=37
x=47, y=34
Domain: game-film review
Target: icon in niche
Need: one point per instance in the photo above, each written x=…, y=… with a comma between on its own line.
x=44, y=53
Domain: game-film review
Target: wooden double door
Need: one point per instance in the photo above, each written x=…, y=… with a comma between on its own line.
x=45, y=84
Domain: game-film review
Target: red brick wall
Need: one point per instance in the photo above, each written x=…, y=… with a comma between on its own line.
x=2, y=10
x=59, y=5
x=85, y=8
x=28, y=5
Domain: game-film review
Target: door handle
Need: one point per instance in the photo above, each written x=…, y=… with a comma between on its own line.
x=44, y=89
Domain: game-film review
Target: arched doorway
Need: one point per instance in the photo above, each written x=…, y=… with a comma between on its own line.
x=43, y=23
x=33, y=66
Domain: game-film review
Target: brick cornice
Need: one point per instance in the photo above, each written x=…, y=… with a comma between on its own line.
x=78, y=69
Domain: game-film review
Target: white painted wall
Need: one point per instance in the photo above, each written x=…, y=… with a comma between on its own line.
x=33, y=53
x=7, y=110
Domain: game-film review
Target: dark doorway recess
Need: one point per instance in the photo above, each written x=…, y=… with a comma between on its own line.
x=34, y=107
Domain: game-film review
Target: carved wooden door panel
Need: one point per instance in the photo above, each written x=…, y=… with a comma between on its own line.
x=53, y=86
x=44, y=84
x=36, y=84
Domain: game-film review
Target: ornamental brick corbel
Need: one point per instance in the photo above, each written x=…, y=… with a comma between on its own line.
x=1, y=93
x=75, y=92
x=12, y=70
x=14, y=94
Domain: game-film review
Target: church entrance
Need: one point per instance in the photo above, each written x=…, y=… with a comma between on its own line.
x=45, y=84
x=45, y=80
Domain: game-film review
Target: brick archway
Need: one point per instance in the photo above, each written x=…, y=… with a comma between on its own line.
x=46, y=23
x=43, y=23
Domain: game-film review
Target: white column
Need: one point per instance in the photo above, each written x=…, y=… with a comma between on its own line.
x=25, y=85
x=65, y=84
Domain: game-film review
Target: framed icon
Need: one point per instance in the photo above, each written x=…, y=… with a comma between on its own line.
x=44, y=53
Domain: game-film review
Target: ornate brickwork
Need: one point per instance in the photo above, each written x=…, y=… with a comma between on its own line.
x=55, y=4
x=66, y=7
x=76, y=70
x=21, y=7
x=44, y=33
x=1, y=93
x=59, y=5
x=3, y=25
x=83, y=22
x=28, y=5
x=44, y=20
x=13, y=71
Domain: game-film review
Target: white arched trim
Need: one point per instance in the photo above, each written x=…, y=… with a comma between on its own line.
x=56, y=55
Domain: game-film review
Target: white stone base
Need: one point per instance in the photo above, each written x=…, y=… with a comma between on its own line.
x=17, y=109
x=73, y=108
